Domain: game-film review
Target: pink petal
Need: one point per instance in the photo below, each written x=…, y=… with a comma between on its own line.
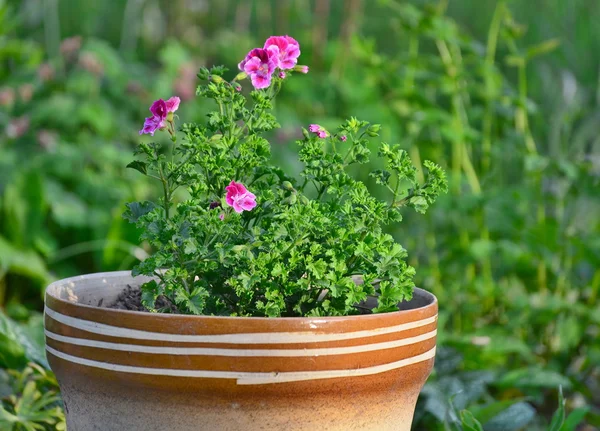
x=252, y=65
x=173, y=104
x=247, y=203
x=159, y=109
x=259, y=81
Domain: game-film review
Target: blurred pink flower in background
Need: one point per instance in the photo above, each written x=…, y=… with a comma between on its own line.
x=47, y=139
x=46, y=72
x=70, y=46
x=17, y=127
x=90, y=62
x=26, y=92
x=7, y=96
x=185, y=83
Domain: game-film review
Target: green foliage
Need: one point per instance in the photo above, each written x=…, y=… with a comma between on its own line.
x=512, y=253
x=30, y=401
x=292, y=255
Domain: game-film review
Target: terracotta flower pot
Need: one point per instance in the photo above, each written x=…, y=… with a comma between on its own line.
x=124, y=370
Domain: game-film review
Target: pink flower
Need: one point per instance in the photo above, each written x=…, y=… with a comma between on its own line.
x=260, y=65
x=160, y=109
x=321, y=132
x=17, y=127
x=343, y=138
x=151, y=125
x=239, y=198
x=288, y=50
x=173, y=104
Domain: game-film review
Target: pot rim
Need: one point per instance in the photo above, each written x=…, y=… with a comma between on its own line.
x=432, y=303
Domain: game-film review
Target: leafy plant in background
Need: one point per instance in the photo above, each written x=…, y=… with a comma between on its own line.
x=30, y=401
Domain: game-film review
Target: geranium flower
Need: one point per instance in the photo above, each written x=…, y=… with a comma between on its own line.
x=160, y=110
x=151, y=125
x=321, y=132
x=239, y=198
x=288, y=50
x=260, y=65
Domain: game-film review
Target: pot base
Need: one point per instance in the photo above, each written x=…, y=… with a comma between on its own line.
x=107, y=405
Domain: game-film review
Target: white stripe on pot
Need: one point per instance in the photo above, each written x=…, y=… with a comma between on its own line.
x=207, y=351
x=250, y=338
x=247, y=378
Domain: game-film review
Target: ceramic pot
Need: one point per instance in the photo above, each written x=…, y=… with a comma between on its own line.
x=125, y=370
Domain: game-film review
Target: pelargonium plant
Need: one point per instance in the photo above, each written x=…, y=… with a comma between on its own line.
x=235, y=235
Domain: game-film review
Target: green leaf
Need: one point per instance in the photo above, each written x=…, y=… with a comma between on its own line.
x=139, y=166
x=558, y=418
x=575, y=418
x=468, y=421
x=533, y=377
x=135, y=210
x=513, y=418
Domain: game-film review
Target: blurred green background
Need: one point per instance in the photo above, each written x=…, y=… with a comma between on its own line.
x=504, y=94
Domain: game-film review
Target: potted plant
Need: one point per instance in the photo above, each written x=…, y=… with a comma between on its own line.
x=270, y=302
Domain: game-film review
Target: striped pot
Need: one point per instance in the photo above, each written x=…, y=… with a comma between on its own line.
x=124, y=370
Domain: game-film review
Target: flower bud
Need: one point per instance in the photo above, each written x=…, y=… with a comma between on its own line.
x=240, y=76
x=301, y=69
x=375, y=127
x=291, y=199
x=287, y=186
x=170, y=117
x=216, y=78
x=304, y=200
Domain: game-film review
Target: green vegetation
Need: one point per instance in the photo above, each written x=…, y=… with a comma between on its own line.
x=507, y=92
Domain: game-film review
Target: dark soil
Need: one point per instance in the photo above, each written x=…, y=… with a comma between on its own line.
x=131, y=299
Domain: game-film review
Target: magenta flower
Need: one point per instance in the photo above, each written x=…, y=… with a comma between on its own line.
x=160, y=110
x=321, y=132
x=260, y=65
x=239, y=197
x=151, y=125
x=288, y=50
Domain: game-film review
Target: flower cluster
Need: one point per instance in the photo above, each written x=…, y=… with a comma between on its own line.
x=278, y=52
x=161, y=111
